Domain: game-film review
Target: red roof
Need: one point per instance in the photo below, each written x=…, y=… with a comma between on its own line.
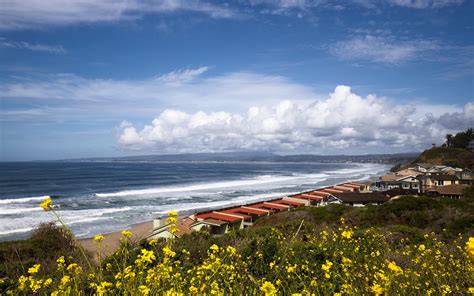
x=343, y=188
x=260, y=212
x=316, y=192
x=288, y=202
x=242, y=210
x=269, y=206
x=358, y=184
x=351, y=185
x=218, y=216
x=235, y=213
x=330, y=190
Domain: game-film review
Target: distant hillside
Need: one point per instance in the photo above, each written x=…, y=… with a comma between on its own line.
x=258, y=156
x=452, y=156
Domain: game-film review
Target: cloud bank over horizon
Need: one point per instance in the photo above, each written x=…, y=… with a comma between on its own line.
x=344, y=121
x=197, y=111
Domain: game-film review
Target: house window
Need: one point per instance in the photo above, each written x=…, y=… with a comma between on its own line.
x=440, y=182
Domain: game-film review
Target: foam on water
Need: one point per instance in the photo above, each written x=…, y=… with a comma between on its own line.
x=259, y=180
x=22, y=200
x=98, y=211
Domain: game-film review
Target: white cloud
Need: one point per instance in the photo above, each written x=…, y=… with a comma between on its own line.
x=29, y=46
x=31, y=14
x=381, y=49
x=343, y=121
x=235, y=111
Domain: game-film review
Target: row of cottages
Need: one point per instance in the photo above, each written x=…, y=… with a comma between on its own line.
x=423, y=177
x=221, y=221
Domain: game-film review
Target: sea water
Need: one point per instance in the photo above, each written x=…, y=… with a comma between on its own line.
x=100, y=197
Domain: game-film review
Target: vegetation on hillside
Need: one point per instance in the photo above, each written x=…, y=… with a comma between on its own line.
x=461, y=139
x=451, y=156
x=407, y=246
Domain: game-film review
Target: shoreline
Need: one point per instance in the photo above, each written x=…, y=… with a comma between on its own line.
x=112, y=239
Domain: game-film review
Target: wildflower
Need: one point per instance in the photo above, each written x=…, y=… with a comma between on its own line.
x=145, y=257
x=231, y=250
x=98, y=238
x=214, y=248
x=291, y=269
x=73, y=267
x=470, y=248
x=48, y=282
x=376, y=289
x=35, y=285
x=103, y=288
x=65, y=281
x=193, y=290
x=346, y=261
x=347, y=234
x=127, y=233
x=22, y=282
x=421, y=247
x=144, y=290
x=394, y=267
x=153, y=242
x=168, y=252
x=34, y=269
x=268, y=288
x=60, y=262
x=46, y=204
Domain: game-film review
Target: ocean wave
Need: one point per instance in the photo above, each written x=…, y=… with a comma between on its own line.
x=23, y=199
x=15, y=211
x=258, y=180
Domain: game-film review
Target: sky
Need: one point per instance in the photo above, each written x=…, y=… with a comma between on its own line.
x=128, y=77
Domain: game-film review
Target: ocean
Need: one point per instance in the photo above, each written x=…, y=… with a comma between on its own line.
x=101, y=197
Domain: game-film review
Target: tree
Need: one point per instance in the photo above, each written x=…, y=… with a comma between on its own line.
x=449, y=140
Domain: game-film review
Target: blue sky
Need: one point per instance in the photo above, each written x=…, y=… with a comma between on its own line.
x=108, y=78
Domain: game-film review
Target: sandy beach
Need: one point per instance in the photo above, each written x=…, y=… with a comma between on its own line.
x=112, y=240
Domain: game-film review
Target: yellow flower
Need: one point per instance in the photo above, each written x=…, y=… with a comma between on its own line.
x=103, y=287
x=144, y=290
x=46, y=204
x=34, y=269
x=172, y=213
x=291, y=269
x=347, y=234
x=346, y=261
x=268, y=288
x=65, y=281
x=73, y=267
x=98, y=238
x=48, y=282
x=394, y=267
x=127, y=233
x=470, y=248
x=421, y=247
x=376, y=289
x=168, y=252
x=214, y=248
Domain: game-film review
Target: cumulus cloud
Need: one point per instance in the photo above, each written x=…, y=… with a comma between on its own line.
x=381, y=49
x=29, y=46
x=28, y=14
x=344, y=121
x=194, y=110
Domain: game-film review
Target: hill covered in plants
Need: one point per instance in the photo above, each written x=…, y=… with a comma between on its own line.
x=409, y=246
